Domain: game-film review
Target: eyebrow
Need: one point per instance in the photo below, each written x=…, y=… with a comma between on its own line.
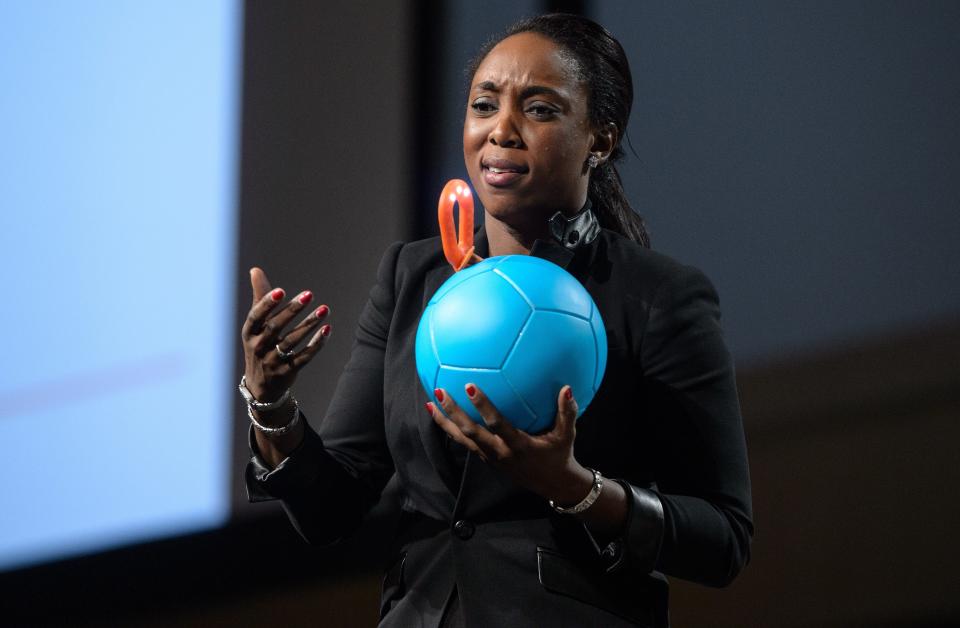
x=526, y=92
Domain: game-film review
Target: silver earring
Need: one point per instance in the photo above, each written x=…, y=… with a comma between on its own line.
x=593, y=161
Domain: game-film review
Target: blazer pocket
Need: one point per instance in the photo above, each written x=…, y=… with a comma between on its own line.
x=639, y=598
x=392, y=588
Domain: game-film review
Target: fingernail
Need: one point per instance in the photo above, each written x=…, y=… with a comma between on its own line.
x=429, y=409
x=305, y=297
x=569, y=394
x=471, y=390
x=322, y=311
x=439, y=394
x=277, y=294
x=325, y=331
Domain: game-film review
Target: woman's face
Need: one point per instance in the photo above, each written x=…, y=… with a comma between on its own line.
x=526, y=136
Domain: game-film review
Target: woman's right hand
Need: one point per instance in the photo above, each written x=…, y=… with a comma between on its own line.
x=268, y=373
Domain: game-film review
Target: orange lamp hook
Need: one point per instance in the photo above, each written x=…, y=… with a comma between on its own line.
x=459, y=252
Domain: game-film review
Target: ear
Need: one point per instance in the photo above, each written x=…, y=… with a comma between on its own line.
x=605, y=140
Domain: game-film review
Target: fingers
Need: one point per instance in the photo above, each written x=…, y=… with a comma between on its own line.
x=453, y=431
x=271, y=329
x=292, y=338
x=567, y=410
x=253, y=325
x=262, y=331
x=491, y=445
x=259, y=283
x=313, y=347
x=492, y=417
x=275, y=322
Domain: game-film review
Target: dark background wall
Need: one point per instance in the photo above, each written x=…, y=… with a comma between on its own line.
x=805, y=155
x=326, y=169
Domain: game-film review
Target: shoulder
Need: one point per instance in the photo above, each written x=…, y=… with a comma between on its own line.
x=678, y=309
x=420, y=253
x=403, y=257
x=653, y=272
x=418, y=258
x=411, y=267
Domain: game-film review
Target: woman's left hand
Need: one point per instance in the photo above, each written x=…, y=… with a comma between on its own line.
x=543, y=463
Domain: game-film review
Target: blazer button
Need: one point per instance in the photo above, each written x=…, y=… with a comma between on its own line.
x=464, y=529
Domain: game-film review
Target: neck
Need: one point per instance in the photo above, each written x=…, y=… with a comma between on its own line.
x=505, y=239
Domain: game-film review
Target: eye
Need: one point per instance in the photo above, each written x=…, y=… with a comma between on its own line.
x=541, y=110
x=482, y=106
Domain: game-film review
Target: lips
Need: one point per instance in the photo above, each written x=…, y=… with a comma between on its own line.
x=502, y=172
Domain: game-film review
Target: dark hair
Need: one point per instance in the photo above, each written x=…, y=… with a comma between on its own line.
x=602, y=65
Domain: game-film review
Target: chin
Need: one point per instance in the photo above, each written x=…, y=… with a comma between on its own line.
x=500, y=203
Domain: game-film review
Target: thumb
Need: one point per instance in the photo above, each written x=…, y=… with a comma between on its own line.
x=567, y=411
x=259, y=283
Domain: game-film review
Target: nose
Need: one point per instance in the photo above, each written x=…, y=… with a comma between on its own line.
x=505, y=131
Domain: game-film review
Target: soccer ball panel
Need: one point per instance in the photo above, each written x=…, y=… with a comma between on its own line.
x=554, y=363
x=546, y=286
x=459, y=277
x=475, y=325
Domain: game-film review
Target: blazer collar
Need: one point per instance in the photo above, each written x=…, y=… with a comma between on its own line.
x=579, y=230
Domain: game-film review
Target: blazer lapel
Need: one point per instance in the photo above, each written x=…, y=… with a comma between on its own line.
x=434, y=440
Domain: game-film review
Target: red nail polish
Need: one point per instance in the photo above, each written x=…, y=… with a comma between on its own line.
x=305, y=297
x=569, y=394
x=277, y=294
x=429, y=409
x=439, y=394
x=325, y=331
x=471, y=390
x=322, y=311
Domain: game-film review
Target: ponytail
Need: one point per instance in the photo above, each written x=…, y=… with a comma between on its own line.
x=612, y=207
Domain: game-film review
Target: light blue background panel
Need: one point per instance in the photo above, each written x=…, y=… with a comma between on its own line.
x=118, y=154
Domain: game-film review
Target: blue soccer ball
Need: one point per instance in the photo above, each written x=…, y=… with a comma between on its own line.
x=520, y=328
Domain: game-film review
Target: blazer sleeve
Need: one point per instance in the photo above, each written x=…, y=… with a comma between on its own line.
x=337, y=473
x=696, y=523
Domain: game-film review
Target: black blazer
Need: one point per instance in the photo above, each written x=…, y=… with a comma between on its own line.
x=665, y=423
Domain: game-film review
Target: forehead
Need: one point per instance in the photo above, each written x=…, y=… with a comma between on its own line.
x=528, y=58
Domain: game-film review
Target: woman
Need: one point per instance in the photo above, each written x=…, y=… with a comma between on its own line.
x=500, y=527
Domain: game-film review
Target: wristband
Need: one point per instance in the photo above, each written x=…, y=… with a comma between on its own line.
x=260, y=406
x=587, y=501
x=276, y=431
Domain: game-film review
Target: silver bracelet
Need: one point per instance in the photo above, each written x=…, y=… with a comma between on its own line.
x=276, y=431
x=260, y=406
x=587, y=501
